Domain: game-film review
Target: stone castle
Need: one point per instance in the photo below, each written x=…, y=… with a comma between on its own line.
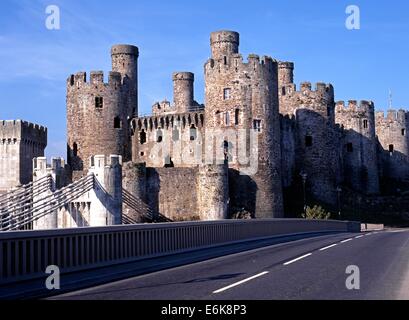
x=244, y=152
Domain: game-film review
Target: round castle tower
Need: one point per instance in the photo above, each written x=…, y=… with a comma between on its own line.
x=183, y=91
x=99, y=113
x=213, y=192
x=224, y=44
x=236, y=103
x=359, y=145
x=285, y=74
x=125, y=61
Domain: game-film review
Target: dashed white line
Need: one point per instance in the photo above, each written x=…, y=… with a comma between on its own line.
x=359, y=237
x=347, y=240
x=298, y=259
x=329, y=247
x=241, y=282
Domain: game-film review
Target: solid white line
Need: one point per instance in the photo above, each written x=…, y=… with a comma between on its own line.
x=329, y=247
x=298, y=259
x=358, y=237
x=241, y=282
x=347, y=240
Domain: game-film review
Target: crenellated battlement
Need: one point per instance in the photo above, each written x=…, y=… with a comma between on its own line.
x=353, y=106
x=236, y=63
x=155, y=122
x=399, y=116
x=102, y=161
x=23, y=130
x=307, y=91
x=79, y=80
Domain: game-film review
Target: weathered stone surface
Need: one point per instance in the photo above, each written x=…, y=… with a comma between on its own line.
x=20, y=143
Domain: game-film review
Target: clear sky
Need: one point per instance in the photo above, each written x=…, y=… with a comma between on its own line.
x=174, y=36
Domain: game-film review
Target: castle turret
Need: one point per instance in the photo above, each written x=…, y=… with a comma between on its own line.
x=183, y=91
x=125, y=61
x=20, y=143
x=213, y=192
x=359, y=145
x=224, y=44
x=392, y=132
x=285, y=73
x=238, y=105
x=315, y=137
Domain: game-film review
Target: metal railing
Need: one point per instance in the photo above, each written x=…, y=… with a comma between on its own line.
x=26, y=254
x=37, y=203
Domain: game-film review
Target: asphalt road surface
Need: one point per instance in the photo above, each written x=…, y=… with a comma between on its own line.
x=307, y=269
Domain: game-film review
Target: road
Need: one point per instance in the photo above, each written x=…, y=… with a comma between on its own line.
x=306, y=269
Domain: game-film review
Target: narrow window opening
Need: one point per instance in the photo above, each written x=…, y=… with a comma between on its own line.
x=227, y=94
x=366, y=124
x=117, y=123
x=159, y=136
x=99, y=102
x=142, y=154
x=403, y=132
x=283, y=91
x=225, y=60
x=217, y=117
x=142, y=137
x=391, y=148
x=227, y=118
x=237, y=117
x=75, y=149
x=72, y=80
x=193, y=133
x=257, y=125
x=308, y=141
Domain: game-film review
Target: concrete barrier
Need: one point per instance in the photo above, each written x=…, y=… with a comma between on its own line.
x=372, y=227
x=25, y=255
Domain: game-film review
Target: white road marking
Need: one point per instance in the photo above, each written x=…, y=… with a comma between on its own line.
x=298, y=259
x=347, y=240
x=358, y=237
x=329, y=247
x=368, y=234
x=241, y=282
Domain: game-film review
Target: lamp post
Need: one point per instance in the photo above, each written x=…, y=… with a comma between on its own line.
x=339, y=190
x=304, y=181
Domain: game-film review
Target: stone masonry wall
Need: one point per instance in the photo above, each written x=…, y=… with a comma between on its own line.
x=359, y=145
x=20, y=143
x=173, y=192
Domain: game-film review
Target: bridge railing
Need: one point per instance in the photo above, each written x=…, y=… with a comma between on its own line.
x=26, y=254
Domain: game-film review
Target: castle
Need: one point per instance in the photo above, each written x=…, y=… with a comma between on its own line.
x=256, y=136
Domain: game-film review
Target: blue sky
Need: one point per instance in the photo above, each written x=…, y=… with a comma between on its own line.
x=174, y=36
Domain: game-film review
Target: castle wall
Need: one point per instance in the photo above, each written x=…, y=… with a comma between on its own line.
x=359, y=145
x=241, y=96
x=169, y=140
x=392, y=132
x=316, y=138
x=20, y=143
x=173, y=192
x=288, y=150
